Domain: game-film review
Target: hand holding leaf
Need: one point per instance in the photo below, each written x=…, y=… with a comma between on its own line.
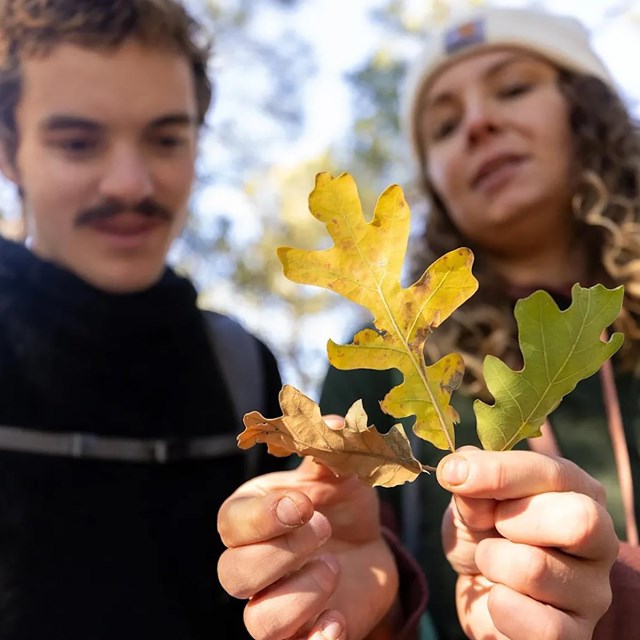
x=377, y=459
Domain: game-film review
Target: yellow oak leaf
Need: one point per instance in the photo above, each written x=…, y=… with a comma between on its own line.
x=365, y=266
x=377, y=459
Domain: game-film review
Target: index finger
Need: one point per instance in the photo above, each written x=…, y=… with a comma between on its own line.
x=246, y=519
x=508, y=475
x=274, y=504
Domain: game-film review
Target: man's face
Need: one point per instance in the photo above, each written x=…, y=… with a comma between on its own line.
x=105, y=159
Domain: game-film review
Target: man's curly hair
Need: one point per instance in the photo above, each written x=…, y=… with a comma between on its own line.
x=35, y=27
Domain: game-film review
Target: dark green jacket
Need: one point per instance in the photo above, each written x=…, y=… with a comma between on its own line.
x=581, y=430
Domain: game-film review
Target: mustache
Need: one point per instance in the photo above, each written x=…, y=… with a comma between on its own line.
x=110, y=208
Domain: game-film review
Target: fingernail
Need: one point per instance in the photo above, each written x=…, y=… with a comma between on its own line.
x=320, y=526
x=330, y=561
x=330, y=630
x=455, y=470
x=288, y=513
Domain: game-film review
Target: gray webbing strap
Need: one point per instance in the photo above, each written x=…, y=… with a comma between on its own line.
x=89, y=445
x=238, y=354
x=239, y=358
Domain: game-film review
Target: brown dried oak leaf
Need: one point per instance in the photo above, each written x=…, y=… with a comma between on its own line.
x=377, y=459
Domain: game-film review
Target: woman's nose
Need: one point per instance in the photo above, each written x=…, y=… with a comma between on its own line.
x=481, y=121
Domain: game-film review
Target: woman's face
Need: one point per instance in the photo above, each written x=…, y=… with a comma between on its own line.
x=499, y=149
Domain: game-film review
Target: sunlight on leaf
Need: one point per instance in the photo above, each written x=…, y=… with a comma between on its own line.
x=365, y=266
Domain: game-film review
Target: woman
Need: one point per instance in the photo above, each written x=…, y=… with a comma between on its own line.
x=529, y=157
x=504, y=135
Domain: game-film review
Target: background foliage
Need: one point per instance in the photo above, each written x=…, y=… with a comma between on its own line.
x=255, y=172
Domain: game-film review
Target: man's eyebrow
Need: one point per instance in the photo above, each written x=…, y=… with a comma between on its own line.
x=60, y=122
x=174, y=119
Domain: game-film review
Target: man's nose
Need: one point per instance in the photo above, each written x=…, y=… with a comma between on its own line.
x=127, y=177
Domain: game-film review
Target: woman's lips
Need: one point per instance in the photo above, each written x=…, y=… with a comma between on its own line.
x=495, y=172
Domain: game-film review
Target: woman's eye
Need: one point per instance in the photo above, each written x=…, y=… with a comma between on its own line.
x=443, y=129
x=515, y=89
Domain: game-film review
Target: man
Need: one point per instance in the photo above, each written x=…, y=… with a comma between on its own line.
x=101, y=105
x=110, y=397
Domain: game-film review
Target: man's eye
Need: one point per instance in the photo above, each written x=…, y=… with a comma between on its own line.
x=75, y=145
x=170, y=142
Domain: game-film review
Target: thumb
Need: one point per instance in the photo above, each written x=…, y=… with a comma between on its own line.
x=477, y=514
x=312, y=470
x=334, y=421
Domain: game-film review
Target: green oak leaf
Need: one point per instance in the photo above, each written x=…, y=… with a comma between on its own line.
x=559, y=349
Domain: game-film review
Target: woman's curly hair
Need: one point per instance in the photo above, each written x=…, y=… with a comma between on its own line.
x=606, y=205
x=35, y=27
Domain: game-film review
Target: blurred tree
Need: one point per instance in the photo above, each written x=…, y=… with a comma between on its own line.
x=246, y=204
x=256, y=109
x=236, y=257
x=251, y=198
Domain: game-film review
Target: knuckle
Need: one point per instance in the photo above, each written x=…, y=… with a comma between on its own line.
x=260, y=627
x=585, y=516
x=554, y=628
x=599, y=493
x=600, y=601
x=234, y=578
x=563, y=472
x=606, y=597
x=496, y=474
x=221, y=523
x=535, y=563
x=570, y=477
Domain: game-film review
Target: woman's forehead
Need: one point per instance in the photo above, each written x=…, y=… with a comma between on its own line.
x=479, y=65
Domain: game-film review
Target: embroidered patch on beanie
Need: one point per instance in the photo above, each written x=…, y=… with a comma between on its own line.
x=465, y=35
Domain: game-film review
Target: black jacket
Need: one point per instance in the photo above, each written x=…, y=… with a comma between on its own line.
x=93, y=549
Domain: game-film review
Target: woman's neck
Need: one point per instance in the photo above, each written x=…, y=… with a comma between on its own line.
x=553, y=266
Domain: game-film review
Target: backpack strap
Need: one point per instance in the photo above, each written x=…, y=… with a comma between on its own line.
x=238, y=354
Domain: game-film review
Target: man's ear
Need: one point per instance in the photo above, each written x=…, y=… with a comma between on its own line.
x=7, y=163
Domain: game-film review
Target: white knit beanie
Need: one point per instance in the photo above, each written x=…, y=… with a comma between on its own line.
x=562, y=40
